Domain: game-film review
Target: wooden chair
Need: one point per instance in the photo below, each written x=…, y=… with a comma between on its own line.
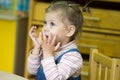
x=103, y=67
x=85, y=51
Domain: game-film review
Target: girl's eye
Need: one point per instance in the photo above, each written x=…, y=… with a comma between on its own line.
x=52, y=24
x=45, y=22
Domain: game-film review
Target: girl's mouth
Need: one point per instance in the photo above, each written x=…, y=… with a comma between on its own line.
x=46, y=36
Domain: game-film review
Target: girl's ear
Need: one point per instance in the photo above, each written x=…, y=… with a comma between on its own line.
x=71, y=30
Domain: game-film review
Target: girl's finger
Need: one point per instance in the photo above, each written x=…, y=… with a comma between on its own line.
x=44, y=37
x=57, y=46
x=54, y=38
x=33, y=29
x=30, y=30
x=49, y=37
x=40, y=37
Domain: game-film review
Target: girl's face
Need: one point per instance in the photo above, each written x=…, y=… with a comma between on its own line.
x=53, y=24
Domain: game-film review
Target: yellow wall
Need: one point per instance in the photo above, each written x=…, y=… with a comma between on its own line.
x=7, y=44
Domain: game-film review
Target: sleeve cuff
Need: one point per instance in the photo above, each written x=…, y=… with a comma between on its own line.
x=32, y=56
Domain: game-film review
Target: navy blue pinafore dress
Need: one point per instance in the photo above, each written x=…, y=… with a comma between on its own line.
x=41, y=76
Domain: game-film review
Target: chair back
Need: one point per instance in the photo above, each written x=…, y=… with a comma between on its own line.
x=103, y=67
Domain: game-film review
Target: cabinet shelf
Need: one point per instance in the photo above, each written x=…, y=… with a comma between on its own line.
x=34, y=22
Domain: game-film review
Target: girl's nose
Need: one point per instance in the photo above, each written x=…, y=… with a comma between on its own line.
x=45, y=28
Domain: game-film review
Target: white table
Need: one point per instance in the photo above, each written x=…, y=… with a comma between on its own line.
x=10, y=76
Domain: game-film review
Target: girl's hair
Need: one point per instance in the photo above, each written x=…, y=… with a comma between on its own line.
x=71, y=11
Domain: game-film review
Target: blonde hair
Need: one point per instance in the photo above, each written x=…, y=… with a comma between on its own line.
x=71, y=11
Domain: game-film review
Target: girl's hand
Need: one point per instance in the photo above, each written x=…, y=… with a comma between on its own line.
x=36, y=40
x=49, y=45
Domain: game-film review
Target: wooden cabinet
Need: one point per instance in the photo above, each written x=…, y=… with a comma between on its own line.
x=101, y=30
x=13, y=44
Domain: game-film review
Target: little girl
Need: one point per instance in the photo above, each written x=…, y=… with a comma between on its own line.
x=55, y=55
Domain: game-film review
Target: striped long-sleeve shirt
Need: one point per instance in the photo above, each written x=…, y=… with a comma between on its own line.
x=70, y=63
